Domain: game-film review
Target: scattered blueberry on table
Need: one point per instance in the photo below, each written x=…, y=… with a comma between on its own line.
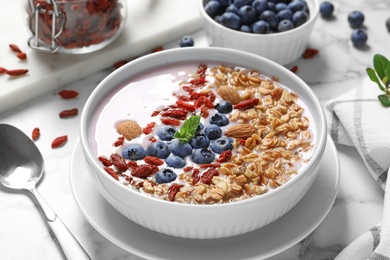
x=359, y=38
x=326, y=9
x=186, y=41
x=355, y=19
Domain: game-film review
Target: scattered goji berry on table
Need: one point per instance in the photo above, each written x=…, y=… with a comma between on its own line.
x=294, y=69
x=17, y=72
x=68, y=113
x=157, y=49
x=68, y=94
x=35, y=133
x=2, y=70
x=15, y=48
x=59, y=141
x=119, y=64
x=310, y=53
x=22, y=56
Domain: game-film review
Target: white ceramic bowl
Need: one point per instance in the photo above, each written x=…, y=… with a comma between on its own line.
x=283, y=48
x=203, y=221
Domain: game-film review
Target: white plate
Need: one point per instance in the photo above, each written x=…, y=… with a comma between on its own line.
x=262, y=243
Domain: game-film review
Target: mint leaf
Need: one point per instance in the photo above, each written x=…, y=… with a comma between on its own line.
x=380, y=65
x=384, y=99
x=373, y=77
x=188, y=129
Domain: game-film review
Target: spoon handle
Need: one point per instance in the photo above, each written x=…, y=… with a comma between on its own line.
x=67, y=243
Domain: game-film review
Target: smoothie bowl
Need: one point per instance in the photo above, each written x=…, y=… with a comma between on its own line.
x=203, y=142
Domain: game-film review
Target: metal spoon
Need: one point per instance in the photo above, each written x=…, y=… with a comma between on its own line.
x=21, y=167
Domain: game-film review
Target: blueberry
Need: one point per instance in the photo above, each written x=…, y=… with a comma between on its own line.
x=224, y=3
x=247, y=14
x=261, y=27
x=271, y=18
x=165, y=176
x=186, y=41
x=356, y=19
x=221, y=144
x=296, y=6
x=232, y=8
x=285, y=25
x=300, y=18
x=166, y=133
x=271, y=6
x=359, y=38
x=245, y=28
x=180, y=148
x=202, y=156
x=134, y=152
x=326, y=9
x=175, y=161
x=388, y=24
x=224, y=107
x=219, y=120
x=285, y=14
x=158, y=149
x=240, y=3
x=213, y=8
x=213, y=132
x=199, y=141
x=260, y=6
x=280, y=7
x=231, y=20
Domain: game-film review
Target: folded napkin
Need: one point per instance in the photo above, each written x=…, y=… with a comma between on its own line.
x=358, y=119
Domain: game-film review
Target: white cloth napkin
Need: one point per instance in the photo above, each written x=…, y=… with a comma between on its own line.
x=358, y=119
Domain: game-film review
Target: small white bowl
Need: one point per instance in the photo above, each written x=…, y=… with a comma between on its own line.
x=202, y=221
x=282, y=47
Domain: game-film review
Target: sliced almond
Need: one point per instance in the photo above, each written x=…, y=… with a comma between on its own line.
x=241, y=131
x=229, y=94
x=129, y=129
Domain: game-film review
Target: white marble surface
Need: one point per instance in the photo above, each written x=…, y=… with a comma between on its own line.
x=338, y=68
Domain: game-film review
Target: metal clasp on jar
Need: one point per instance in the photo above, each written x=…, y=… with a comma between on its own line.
x=56, y=16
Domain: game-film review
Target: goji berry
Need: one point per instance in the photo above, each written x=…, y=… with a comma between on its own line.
x=119, y=64
x=112, y=172
x=225, y=156
x=105, y=161
x=195, y=176
x=173, y=190
x=2, y=70
x=202, y=70
x=68, y=94
x=185, y=105
x=15, y=48
x=119, y=162
x=208, y=175
x=170, y=121
x=35, y=133
x=59, y=141
x=148, y=128
x=68, y=113
x=17, y=72
x=294, y=69
x=247, y=104
x=188, y=89
x=22, y=56
x=198, y=82
x=152, y=139
x=204, y=111
x=210, y=165
x=153, y=160
x=132, y=165
x=157, y=49
x=310, y=53
x=119, y=141
x=180, y=114
x=144, y=170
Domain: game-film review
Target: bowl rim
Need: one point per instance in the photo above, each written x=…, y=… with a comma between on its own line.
x=314, y=13
x=218, y=53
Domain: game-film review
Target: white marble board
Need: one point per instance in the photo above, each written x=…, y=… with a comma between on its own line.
x=149, y=24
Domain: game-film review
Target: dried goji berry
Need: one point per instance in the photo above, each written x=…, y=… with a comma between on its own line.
x=153, y=160
x=148, y=128
x=208, y=175
x=119, y=162
x=68, y=113
x=112, y=172
x=195, y=176
x=119, y=64
x=105, y=161
x=185, y=105
x=152, y=139
x=144, y=170
x=17, y=72
x=202, y=70
x=294, y=69
x=59, y=141
x=2, y=70
x=198, y=82
x=68, y=94
x=170, y=121
x=35, y=133
x=173, y=190
x=225, y=156
x=210, y=165
x=119, y=141
x=157, y=49
x=188, y=89
x=15, y=48
x=247, y=104
x=310, y=53
x=204, y=111
x=22, y=56
x=132, y=164
x=180, y=114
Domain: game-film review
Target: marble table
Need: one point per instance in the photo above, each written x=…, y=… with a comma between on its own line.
x=337, y=68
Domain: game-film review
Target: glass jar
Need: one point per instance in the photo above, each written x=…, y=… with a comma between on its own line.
x=74, y=26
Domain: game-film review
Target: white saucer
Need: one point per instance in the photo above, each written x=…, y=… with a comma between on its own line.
x=262, y=243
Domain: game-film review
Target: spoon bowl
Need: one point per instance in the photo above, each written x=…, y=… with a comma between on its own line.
x=21, y=168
